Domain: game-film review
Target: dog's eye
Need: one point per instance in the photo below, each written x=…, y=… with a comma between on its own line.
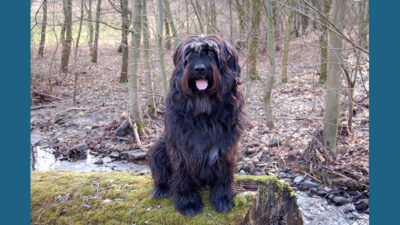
x=211, y=53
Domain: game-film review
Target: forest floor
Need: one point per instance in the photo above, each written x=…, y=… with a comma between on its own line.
x=285, y=151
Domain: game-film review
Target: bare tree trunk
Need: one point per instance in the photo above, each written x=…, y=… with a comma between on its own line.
x=66, y=35
x=364, y=10
x=90, y=27
x=168, y=39
x=134, y=52
x=304, y=19
x=271, y=76
x=296, y=28
x=187, y=17
x=324, y=7
x=213, y=17
x=242, y=20
x=171, y=23
x=124, y=43
x=76, y=53
x=43, y=34
x=289, y=32
x=97, y=32
x=151, y=104
x=230, y=22
x=197, y=11
x=160, y=46
x=332, y=101
x=254, y=37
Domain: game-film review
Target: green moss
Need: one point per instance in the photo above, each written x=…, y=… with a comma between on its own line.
x=130, y=201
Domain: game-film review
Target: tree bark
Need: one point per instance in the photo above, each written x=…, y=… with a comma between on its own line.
x=242, y=22
x=97, y=32
x=151, y=104
x=230, y=22
x=304, y=19
x=134, y=98
x=124, y=43
x=43, y=34
x=66, y=35
x=271, y=75
x=213, y=17
x=171, y=23
x=160, y=46
x=332, y=100
x=324, y=7
x=90, y=27
x=76, y=53
x=289, y=31
x=254, y=37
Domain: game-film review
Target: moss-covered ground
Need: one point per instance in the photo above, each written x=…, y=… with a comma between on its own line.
x=121, y=198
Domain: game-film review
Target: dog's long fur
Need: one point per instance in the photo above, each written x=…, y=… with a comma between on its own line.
x=202, y=128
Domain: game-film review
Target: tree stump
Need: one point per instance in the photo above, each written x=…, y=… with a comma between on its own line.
x=65, y=197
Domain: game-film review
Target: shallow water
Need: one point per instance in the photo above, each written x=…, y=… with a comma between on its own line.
x=43, y=159
x=316, y=210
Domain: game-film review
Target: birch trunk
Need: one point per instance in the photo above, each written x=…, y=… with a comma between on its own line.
x=271, y=76
x=332, y=100
x=76, y=53
x=254, y=37
x=151, y=104
x=66, y=35
x=288, y=34
x=160, y=46
x=324, y=7
x=133, y=78
x=43, y=34
x=171, y=22
x=124, y=43
x=97, y=32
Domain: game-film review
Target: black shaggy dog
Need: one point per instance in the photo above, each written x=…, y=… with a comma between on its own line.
x=203, y=124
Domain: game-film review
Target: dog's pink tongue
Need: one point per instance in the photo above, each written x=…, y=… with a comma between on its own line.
x=201, y=84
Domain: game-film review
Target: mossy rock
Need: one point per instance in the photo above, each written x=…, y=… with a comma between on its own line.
x=65, y=197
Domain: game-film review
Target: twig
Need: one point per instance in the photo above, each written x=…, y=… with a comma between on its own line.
x=311, y=176
x=344, y=176
x=42, y=107
x=137, y=138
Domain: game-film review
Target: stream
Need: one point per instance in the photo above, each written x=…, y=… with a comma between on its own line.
x=316, y=210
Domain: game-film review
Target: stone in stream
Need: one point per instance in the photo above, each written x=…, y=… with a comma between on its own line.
x=341, y=200
x=80, y=147
x=135, y=155
x=99, y=162
x=298, y=179
x=308, y=184
x=362, y=204
x=114, y=155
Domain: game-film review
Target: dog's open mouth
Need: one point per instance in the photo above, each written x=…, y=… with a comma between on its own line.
x=201, y=84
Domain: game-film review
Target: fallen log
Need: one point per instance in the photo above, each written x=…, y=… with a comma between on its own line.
x=65, y=197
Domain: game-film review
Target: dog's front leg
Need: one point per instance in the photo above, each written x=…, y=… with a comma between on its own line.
x=221, y=193
x=187, y=200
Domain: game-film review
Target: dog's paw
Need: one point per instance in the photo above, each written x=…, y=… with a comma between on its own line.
x=158, y=192
x=222, y=204
x=190, y=206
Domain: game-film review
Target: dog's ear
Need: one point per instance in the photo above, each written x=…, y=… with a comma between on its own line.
x=231, y=59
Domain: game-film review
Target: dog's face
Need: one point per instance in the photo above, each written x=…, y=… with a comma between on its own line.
x=200, y=60
x=209, y=66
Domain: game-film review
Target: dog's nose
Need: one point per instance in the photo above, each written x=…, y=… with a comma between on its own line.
x=199, y=68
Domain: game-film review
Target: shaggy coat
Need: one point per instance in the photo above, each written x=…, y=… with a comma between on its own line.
x=203, y=125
